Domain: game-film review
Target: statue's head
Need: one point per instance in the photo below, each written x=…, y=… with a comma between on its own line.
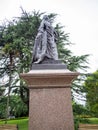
x=46, y=17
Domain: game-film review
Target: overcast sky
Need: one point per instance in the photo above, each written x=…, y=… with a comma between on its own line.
x=80, y=18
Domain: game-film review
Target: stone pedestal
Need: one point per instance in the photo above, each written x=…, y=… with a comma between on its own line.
x=50, y=99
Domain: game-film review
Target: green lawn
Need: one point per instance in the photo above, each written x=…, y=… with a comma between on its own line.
x=22, y=123
x=85, y=121
x=93, y=120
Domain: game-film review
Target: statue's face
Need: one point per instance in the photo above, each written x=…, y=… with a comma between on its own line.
x=46, y=17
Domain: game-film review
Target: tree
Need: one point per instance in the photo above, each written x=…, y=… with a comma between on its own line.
x=17, y=39
x=91, y=89
x=2, y=107
x=79, y=110
x=16, y=105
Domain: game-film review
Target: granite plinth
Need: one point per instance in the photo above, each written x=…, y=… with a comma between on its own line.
x=50, y=99
x=50, y=109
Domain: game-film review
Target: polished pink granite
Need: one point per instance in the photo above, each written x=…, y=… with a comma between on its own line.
x=50, y=99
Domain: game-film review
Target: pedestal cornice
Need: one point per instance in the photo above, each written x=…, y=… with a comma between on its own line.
x=49, y=78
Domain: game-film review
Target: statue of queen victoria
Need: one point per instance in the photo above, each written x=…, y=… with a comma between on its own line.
x=45, y=42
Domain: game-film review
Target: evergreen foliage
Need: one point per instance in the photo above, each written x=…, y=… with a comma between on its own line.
x=91, y=89
x=16, y=45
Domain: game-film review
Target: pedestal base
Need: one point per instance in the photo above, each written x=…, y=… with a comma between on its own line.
x=50, y=99
x=50, y=109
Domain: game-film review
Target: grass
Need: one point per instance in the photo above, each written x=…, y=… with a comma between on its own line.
x=93, y=120
x=22, y=123
x=79, y=120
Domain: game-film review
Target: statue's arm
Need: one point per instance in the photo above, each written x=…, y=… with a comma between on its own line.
x=56, y=35
x=42, y=26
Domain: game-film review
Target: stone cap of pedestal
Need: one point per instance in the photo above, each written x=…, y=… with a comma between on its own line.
x=49, y=78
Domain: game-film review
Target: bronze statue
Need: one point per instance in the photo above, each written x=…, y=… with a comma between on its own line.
x=45, y=42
